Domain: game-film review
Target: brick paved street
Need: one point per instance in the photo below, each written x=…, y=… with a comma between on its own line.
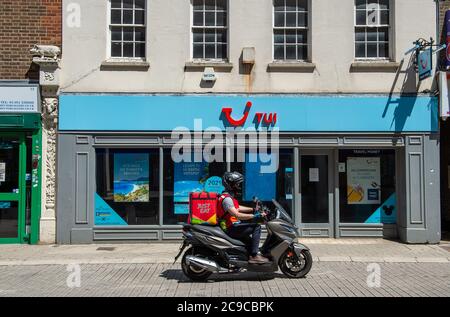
x=326, y=279
x=340, y=269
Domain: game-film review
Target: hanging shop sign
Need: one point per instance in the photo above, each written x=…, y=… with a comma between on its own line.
x=424, y=56
x=19, y=99
x=425, y=63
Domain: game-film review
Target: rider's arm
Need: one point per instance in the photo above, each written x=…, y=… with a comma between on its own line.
x=228, y=206
x=240, y=215
x=246, y=210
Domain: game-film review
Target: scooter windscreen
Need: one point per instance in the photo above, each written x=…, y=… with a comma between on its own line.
x=281, y=212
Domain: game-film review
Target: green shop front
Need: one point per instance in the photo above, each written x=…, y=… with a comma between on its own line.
x=20, y=162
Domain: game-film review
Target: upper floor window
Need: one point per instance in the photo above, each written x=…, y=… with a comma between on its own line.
x=290, y=32
x=127, y=28
x=372, y=29
x=210, y=29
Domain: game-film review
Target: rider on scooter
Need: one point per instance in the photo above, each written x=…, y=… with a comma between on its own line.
x=234, y=217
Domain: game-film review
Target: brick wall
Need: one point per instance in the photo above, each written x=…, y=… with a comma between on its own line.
x=24, y=23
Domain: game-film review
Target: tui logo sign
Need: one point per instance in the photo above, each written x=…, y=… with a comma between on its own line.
x=261, y=118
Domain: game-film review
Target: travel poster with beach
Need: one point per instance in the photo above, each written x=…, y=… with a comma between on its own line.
x=131, y=177
x=189, y=178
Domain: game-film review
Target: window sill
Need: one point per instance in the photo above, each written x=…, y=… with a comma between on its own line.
x=200, y=66
x=291, y=67
x=127, y=65
x=374, y=66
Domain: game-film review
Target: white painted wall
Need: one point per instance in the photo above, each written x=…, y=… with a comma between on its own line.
x=250, y=23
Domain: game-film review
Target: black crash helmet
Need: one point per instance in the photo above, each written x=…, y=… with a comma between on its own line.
x=232, y=181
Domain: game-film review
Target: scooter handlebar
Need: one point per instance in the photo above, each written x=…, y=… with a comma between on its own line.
x=259, y=206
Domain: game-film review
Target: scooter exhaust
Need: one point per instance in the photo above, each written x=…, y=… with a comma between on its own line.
x=208, y=265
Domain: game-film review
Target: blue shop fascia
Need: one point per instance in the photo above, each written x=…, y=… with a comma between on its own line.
x=347, y=165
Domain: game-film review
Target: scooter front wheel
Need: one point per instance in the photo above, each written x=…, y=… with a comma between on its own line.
x=295, y=266
x=194, y=272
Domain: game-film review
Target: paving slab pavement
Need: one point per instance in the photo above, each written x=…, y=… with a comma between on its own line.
x=323, y=250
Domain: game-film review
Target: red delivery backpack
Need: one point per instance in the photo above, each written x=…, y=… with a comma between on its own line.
x=203, y=209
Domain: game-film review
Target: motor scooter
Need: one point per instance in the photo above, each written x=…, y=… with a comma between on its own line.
x=211, y=250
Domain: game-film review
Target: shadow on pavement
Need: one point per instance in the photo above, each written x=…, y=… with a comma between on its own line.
x=176, y=274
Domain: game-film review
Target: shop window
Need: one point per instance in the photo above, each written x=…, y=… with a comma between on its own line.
x=267, y=186
x=9, y=164
x=182, y=178
x=128, y=29
x=210, y=29
x=367, y=186
x=290, y=32
x=372, y=29
x=127, y=187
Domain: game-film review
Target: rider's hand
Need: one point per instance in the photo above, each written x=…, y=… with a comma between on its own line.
x=258, y=216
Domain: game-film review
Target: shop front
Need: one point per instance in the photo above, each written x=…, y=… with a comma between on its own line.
x=342, y=166
x=20, y=150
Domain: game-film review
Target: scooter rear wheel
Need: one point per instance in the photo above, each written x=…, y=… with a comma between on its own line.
x=294, y=266
x=194, y=272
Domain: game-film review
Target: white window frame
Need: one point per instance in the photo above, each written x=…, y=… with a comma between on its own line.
x=308, y=35
x=226, y=28
x=109, y=34
x=390, y=32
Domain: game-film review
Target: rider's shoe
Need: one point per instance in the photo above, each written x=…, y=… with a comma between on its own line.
x=258, y=259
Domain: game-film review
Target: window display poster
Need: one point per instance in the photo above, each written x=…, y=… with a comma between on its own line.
x=289, y=182
x=131, y=177
x=2, y=172
x=5, y=204
x=257, y=184
x=363, y=180
x=189, y=177
x=313, y=175
x=214, y=185
x=105, y=215
x=386, y=213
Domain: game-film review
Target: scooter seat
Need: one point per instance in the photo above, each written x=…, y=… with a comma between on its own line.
x=218, y=232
